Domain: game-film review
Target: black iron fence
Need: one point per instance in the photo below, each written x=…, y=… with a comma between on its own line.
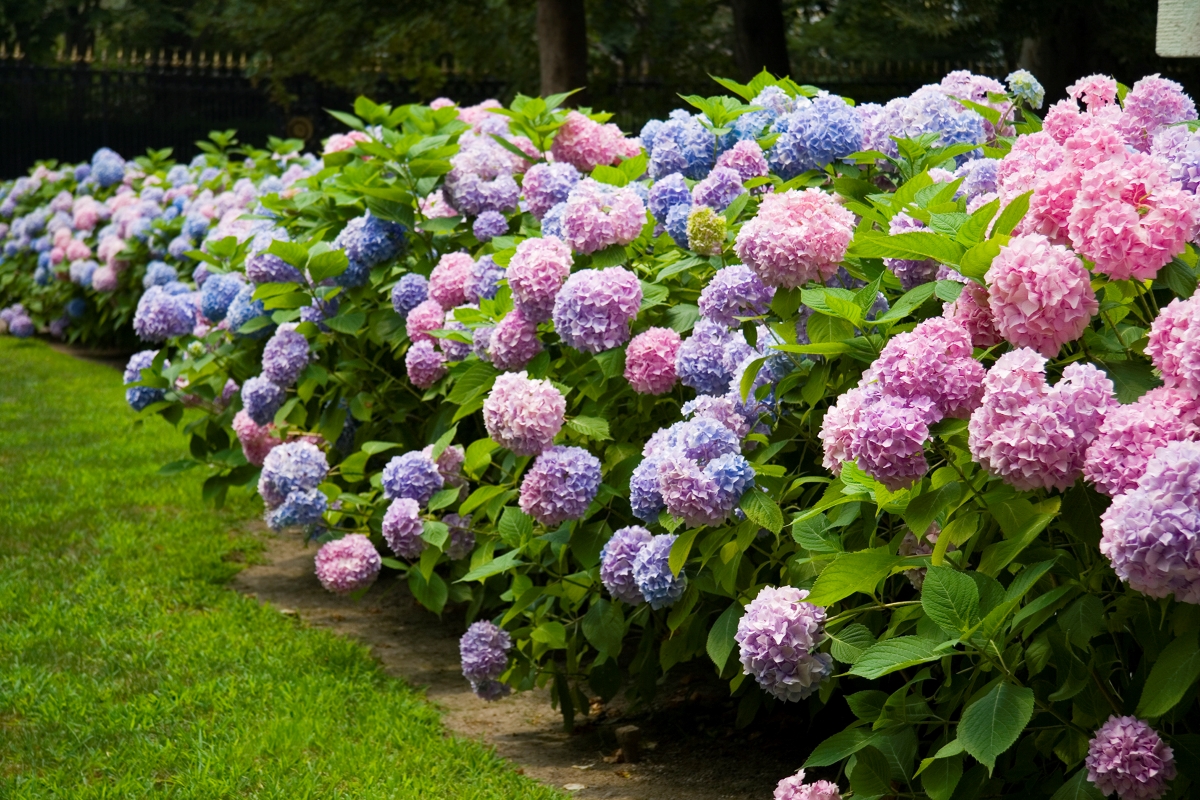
x=134, y=101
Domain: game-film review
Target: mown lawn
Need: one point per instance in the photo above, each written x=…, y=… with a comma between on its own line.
x=128, y=670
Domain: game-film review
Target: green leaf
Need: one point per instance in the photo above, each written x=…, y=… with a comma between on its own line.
x=872, y=774
x=551, y=634
x=838, y=747
x=176, y=467
x=762, y=509
x=329, y=264
x=476, y=381
x=850, y=573
x=371, y=448
x=978, y=260
x=1078, y=787
x=1132, y=379
x=913, y=245
x=610, y=175
x=924, y=509
x=941, y=777
x=1171, y=678
x=1178, y=277
x=849, y=643
x=681, y=549
x=613, y=256
x=991, y=724
x=909, y=302
x=479, y=497
x=432, y=593
x=825, y=328
x=951, y=599
x=442, y=499
x=516, y=527
x=604, y=627
x=495, y=566
x=1082, y=620
x=720, y=638
x=349, y=323
x=293, y=254
x=591, y=427
x=1012, y=214
x=884, y=658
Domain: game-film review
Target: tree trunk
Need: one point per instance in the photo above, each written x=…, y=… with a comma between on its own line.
x=562, y=45
x=759, y=38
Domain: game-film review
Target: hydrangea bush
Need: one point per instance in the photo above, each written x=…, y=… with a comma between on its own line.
x=886, y=411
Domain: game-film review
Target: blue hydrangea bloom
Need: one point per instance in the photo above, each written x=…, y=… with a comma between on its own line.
x=42, y=276
x=409, y=292
x=812, y=136
x=159, y=273
x=299, y=508
x=370, y=240
x=733, y=475
x=291, y=467
x=667, y=193
x=681, y=144
x=980, y=176
x=139, y=397
x=319, y=310
x=270, y=185
x=722, y=186
x=76, y=307
x=109, y=170
x=243, y=309
x=413, y=475
x=488, y=275
x=43, y=261
x=178, y=175
x=1023, y=86
x=176, y=288
x=179, y=246
x=195, y=226
x=262, y=399
x=644, y=496
x=489, y=225
x=217, y=294
x=552, y=222
x=653, y=575
x=162, y=316
x=357, y=273
x=703, y=362
x=676, y=224
x=82, y=172
x=285, y=356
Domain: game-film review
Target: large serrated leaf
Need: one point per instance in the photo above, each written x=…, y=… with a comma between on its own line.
x=991, y=724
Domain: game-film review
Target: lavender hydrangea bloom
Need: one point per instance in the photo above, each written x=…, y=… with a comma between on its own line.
x=652, y=573
x=722, y=186
x=263, y=267
x=320, y=310
x=677, y=222
x=489, y=225
x=291, y=467
x=217, y=294
x=616, y=563
x=472, y=194
x=484, y=652
x=414, y=475
x=285, y=356
x=560, y=485
x=1128, y=757
x=298, y=509
x=735, y=291
x=703, y=362
x=243, y=309
x=487, y=275
x=513, y=342
x=161, y=316
x=159, y=273
x=777, y=641
x=347, y=564
x=1151, y=534
x=980, y=177
x=409, y=292
x=547, y=185
x=552, y=222
x=536, y=274
x=667, y=193
x=595, y=308
x=370, y=240
x=402, y=528
x=139, y=397
x=644, y=496
x=680, y=144
x=262, y=399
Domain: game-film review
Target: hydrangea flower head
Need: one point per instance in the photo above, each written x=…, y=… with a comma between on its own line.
x=586, y=144
x=138, y=397
x=777, y=637
x=667, y=193
x=797, y=237
x=513, y=342
x=1174, y=344
x=1151, y=104
x=523, y=414
x=680, y=144
x=1128, y=757
x=348, y=564
x=933, y=361
x=262, y=399
x=595, y=308
x=536, y=274
x=409, y=292
x=1131, y=434
x=217, y=294
x=652, y=573
x=706, y=231
x=484, y=652
x=402, y=528
x=650, y=361
x=560, y=485
x=298, y=466
x=722, y=186
x=793, y=787
x=427, y=316
x=598, y=215
x=735, y=291
x=285, y=356
x=704, y=359
x=298, y=509
x=452, y=281
x=816, y=133
x=256, y=440
x=1040, y=294
x=414, y=475
x=161, y=316
x=547, y=185
x=425, y=364
x=489, y=225
x=242, y=310
x=616, y=563
x=1026, y=88
x=747, y=160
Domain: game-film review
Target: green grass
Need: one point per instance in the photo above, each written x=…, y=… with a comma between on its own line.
x=128, y=670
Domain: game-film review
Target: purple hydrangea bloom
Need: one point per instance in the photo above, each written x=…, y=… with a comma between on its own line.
x=320, y=310
x=409, y=292
x=291, y=467
x=1152, y=533
x=547, y=185
x=735, y=291
x=560, y=485
x=243, y=309
x=347, y=564
x=644, y=497
x=523, y=414
x=139, y=397
x=722, y=186
x=1128, y=757
x=599, y=215
x=264, y=267
x=652, y=573
x=217, y=293
x=552, y=222
x=667, y=193
x=370, y=240
x=484, y=651
x=489, y=225
x=161, y=316
x=777, y=640
x=285, y=356
x=298, y=509
x=481, y=341
x=980, y=176
x=22, y=326
x=402, y=528
x=262, y=399
x=425, y=364
x=513, y=342
x=616, y=563
x=159, y=273
x=815, y=134
x=453, y=349
x=414, y=475
x=472, y=194
x=732, y=475
x=180, y=245
x=595, y=308
x=704, y=361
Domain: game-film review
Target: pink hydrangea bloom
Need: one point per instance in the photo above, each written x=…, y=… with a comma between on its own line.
x=1151, y=104
x=347, y=564
x=473, y=115
x=256, y=440
x=104, y=279
x=536, y=274
x=1128, y=757
x=77, y=250
x=586, y=144
x=841, y=420
x=1097, y=140
x=933, y=360
x=797, y=237
x=1174, y=343
x=523, y=414
x=1130, y=218
x=793, y=787
x=1024, y=165
x=888, y=442
x=427, y=316
x=1040, y=294
x=1062, y=120
x=1131, y=434
x=747, y=160
x=650, y=361
x=974, y=314
x=513, y=342
x=344, y=141
x=436, y=206
x=452, y=282
x=1051, y=203
x=440, y=102
x=1034, y=436
x=1096, y=91
x=599, y=215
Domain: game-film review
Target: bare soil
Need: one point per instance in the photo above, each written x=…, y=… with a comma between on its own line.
x=691, y=748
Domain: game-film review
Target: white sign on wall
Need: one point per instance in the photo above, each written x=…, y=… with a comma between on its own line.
x=1178, y=29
